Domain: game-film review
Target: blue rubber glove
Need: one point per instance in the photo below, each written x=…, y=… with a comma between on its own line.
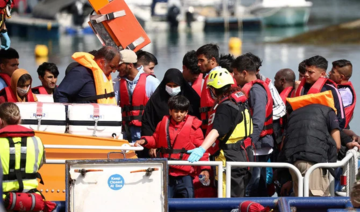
x=5, y=41
x=196, y=154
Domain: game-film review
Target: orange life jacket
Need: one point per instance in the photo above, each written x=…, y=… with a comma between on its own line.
x=268, y=125
x=41, y=89
x=197, y=84
x=316, y=87
x=6, y=78
x=349, y=110
x=11, y=97
x=132, y=111
x=323, y=98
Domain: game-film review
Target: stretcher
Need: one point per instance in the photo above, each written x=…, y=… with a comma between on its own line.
x=115, y=25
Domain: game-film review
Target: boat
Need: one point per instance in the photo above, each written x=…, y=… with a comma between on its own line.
x=281, y=12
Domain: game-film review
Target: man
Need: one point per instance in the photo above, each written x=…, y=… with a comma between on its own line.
x=9, y=62
x=147, y=60
x=208, y=60
x=48, y=73
x=133, y=90
x=226, y=61
x=340, y=74
x=302, y=70
x=284, y=83
x=191, y=71
x=279, y=109
x=315, y=82
x=311, y=140
x=90, y=81
x=261, y=104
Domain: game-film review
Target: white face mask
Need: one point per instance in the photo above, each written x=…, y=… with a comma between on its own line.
x=22, y=92
x=173, y=91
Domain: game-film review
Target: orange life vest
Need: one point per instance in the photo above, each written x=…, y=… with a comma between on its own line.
x=316, y=87
x=41, y=89
x=132, y=111
x=323, y=98
x=103, y=84
x=6, y=78
x=197, y=84
x=11, y=97
x=349, y=110
x=268, y=125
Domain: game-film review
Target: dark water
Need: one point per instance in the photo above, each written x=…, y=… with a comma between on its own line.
x=170, y=48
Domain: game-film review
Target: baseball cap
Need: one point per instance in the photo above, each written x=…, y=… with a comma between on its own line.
x=250, y=206
x=127, y=56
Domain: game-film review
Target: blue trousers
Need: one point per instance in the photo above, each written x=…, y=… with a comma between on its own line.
x=181, y=187
x=257, y=186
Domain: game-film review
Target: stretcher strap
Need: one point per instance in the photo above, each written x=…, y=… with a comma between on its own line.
x=39, y=109
x=110, y=16
x=96, y=112
x=137, y=42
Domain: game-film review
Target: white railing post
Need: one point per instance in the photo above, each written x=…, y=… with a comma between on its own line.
x=344, y=162
x=229, y=165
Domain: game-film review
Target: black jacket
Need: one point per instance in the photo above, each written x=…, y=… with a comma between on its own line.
x=307, y=136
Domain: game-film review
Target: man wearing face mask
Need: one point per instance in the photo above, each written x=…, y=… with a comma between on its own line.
x=20, y=88
x=90, y=81
x=132, y=91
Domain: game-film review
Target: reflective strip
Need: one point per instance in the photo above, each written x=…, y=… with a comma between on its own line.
x=248, y=207
x=23, y=149
x=110, y=16
x=138, y=41
x=14, y=200
x=36, y=147
x=12, y=150
x=32, y=202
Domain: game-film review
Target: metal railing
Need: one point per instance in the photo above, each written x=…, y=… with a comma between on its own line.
x=349, y=160
x=229, y=165
x=205, y=163
x=122, y=148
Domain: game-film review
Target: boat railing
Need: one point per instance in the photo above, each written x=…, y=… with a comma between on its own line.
x=229, y=166
x=220, y=169
x=349, y=164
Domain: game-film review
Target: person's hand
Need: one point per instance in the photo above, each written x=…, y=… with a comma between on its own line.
x=5, y=40
x=286, y=188
x=139, y=142
x=206, y=174
x=352, y=144
x=152, y=153
x=196, y=154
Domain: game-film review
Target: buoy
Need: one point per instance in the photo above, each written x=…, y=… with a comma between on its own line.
x=235, y=45
x=41, y=51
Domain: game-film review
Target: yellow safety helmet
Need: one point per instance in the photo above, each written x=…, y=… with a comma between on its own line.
x=219, y=78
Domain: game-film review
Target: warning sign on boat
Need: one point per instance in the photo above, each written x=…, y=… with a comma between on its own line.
x=116, y=182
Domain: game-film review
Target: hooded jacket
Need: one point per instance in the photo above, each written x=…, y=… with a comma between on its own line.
x=13, y=91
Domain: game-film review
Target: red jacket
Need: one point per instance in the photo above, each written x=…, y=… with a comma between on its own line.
x=197, y=84
x=184, y=136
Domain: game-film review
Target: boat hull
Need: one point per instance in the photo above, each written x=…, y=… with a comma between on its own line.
x=283, y=16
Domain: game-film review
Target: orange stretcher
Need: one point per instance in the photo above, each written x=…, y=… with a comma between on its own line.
x=115, y=25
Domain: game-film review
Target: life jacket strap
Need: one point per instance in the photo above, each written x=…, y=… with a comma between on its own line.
x=205, y=109
x=109, y=16
x=128, y=108
x=102, y=96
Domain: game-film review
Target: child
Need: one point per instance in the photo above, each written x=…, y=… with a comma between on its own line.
x=340, y=74
x=20, y=88
x=173, y=136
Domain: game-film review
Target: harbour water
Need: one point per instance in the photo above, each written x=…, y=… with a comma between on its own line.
x=169, y=48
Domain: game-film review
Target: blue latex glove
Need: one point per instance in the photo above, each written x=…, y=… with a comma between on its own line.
x=5, y=41
x=196, y=154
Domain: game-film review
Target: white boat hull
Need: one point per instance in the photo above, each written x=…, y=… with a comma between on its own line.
x=285, y=16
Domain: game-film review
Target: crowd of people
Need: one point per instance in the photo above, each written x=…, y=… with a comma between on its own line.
x=217, y=108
